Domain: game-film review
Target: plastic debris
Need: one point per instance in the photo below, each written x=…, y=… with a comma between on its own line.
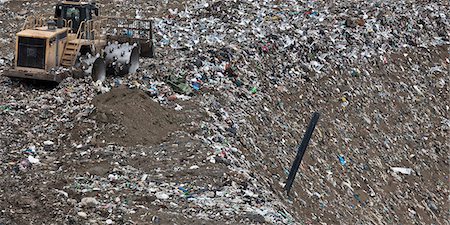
x=402, y=170
x=162, y=196
x=342, y=160
x=33, y=160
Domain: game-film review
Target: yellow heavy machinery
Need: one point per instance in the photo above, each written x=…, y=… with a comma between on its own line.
x=77, y=41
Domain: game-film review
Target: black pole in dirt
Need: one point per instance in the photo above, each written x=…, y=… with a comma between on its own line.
x=301, y=152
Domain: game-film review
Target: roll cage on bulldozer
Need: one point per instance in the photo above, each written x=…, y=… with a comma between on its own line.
x=77, y=38
x=75, y=12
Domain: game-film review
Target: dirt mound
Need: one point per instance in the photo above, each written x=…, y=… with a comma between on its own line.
x=131, y=117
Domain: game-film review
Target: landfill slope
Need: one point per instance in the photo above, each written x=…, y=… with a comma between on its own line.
x=206, y=132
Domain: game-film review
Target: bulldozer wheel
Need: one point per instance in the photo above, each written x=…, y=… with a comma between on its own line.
x=134, y=61
x=152, y=50
x=99, y=70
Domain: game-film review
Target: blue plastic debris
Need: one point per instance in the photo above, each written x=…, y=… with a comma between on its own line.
x=342, y=160
x=185, y=192
x=196, y=86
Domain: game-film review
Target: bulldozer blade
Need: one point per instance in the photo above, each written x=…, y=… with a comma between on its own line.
x=36, y=75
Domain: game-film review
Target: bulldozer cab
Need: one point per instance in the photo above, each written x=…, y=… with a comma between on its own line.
x=75, y=12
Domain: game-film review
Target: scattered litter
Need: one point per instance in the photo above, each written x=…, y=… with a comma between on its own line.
x=194, y=167
x=49, y=143
x=402, y=170
x=82, y=215
x=162, y=196
x=342, y=160
x=33, y=160
x=89, y=202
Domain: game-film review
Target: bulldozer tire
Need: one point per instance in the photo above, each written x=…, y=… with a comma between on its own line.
x=152, y=50
x=99, y=70
x=134, y=61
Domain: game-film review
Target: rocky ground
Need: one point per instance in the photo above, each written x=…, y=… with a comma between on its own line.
x=137, y=152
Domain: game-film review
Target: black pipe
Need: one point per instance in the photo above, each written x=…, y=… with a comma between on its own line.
x=301, y=152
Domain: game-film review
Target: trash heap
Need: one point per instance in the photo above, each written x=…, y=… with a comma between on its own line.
x=206, y=132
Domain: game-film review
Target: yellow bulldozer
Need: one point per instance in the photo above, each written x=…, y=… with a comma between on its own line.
x=76, y=41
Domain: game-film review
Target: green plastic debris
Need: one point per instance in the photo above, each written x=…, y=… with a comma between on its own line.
x=179, y=85
x=5, y=108
x=254, y=90
x=238, y=83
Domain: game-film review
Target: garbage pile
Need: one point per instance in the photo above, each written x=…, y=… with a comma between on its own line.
x=230, y=93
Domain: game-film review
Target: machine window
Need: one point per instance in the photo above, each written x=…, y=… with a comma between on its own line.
x=74, y=13
x=31, y=52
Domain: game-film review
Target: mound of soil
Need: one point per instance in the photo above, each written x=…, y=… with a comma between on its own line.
x=131, y=117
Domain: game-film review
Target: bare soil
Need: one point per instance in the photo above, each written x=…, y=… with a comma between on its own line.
x=131, y=117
